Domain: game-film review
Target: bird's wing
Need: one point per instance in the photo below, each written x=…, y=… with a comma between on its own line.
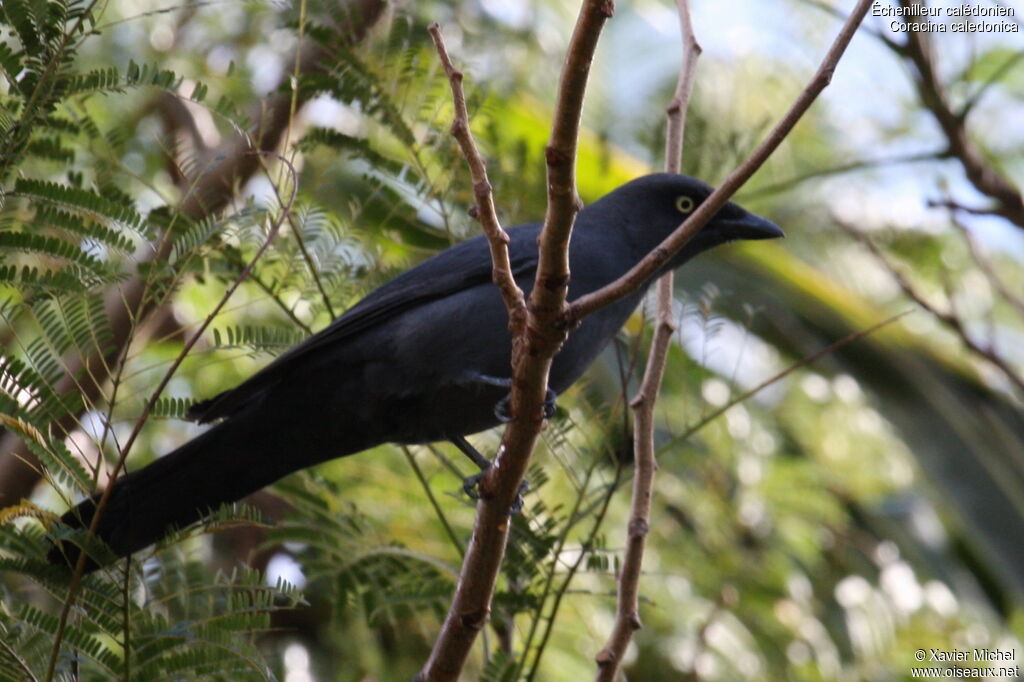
x=461, y=267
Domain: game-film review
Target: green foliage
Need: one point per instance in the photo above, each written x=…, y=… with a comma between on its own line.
x=778, y=531
x=67, y=247
x=386, y=580
x=78, y=251
x=177, y=621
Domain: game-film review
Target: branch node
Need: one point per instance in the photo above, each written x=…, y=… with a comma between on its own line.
x=555, y=282
x=475, y=620
x=639, y=528
x=826, y=76
x=556, y=157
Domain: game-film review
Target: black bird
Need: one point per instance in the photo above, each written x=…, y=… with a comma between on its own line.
x=423, y=358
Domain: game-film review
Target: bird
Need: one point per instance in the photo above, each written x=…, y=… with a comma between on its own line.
x=423, y=358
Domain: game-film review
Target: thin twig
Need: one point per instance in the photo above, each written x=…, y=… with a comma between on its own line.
x=293, y=104
x=985, y=265
x=843, y=168
x=274, y=296
x=209, y=191
x=76, y=577
x=627, y=616
x=586, y=549
x=997, y=75
x=982, y=175
x=314, y=270
x=533, y=348
x=640, y=273
x=802, y=362
x=948, y=318
x=953, y=205
x=456, y=542
x=680, y=104
x=497, y=238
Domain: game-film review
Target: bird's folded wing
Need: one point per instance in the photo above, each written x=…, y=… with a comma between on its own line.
x=462, y=267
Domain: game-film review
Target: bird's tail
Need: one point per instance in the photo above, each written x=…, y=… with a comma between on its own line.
x=174, y=491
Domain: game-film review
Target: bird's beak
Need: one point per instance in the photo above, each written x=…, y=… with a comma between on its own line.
x=750, y=226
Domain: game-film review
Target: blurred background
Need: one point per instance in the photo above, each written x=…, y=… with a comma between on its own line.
x=863, y=505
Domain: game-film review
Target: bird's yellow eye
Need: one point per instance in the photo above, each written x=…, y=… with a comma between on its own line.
x=684, y=204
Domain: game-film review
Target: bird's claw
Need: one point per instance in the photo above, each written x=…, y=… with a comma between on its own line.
x=470, y=487
x=549, y=404
x=501, y=410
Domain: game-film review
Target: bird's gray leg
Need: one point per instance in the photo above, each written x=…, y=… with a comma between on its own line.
x=469, y=483
x=468, y=450
x=501, y=408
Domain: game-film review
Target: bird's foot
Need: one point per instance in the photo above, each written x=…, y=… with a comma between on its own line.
x=470, y=486
x=501, y=410
x=470, y=483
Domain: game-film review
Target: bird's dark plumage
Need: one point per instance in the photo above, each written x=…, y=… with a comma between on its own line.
x=420, y=359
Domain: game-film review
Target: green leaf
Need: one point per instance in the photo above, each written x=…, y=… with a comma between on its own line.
x=78, y=198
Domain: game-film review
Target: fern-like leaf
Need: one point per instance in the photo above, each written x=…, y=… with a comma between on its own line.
x=78, y=198
x=171, y=408
x=257, y=339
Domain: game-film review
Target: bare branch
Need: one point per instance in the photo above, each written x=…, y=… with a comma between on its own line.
x=627, y=617
x=677, y=108
x=532, y=352
x=985, y=265
x=803, y=362
x=497, y=238
x=949, y=318
x=548, y=297
x=980, y=173
x=634, y=279
x=953, y=205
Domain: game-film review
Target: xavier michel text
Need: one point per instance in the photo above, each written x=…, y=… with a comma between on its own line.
x=960, y=655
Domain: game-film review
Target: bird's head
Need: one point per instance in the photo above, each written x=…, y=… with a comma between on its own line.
x=652, y=206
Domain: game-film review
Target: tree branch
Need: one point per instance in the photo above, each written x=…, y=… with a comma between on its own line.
x=980, y=173
x=949, y=318
x=532, y=351
x=627, y=617
x=986, y=267
x=640, y=273
x=497, y=238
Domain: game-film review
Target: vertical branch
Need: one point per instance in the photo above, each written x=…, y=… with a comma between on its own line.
x=484, y=211
x=677, y=108
x=533, y=348
x=560, y=154
x=627, y=617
